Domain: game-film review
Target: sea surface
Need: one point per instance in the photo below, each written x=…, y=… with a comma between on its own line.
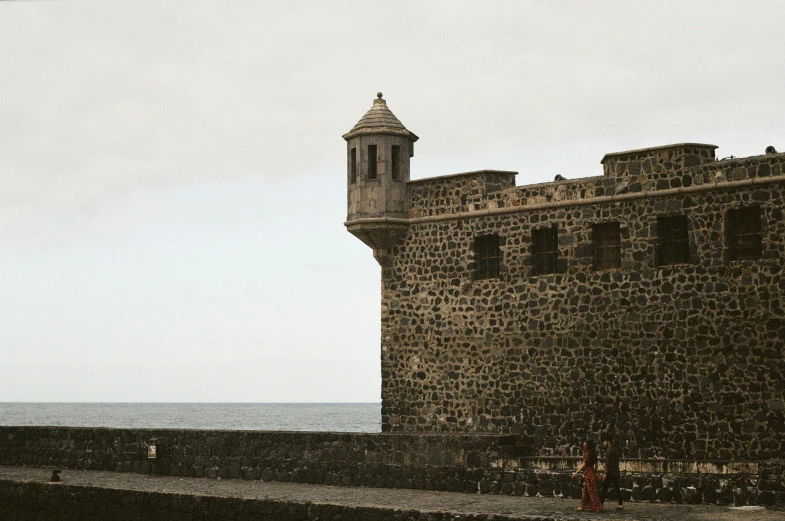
x=338, y=417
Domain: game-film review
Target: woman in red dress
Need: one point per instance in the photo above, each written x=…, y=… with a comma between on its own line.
x=590, y=498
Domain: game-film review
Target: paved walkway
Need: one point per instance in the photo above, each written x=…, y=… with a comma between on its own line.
x=513, y=507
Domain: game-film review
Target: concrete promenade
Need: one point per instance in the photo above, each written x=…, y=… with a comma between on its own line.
x=496, y=507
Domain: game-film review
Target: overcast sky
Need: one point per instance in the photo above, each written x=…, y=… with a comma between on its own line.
x=172, y=185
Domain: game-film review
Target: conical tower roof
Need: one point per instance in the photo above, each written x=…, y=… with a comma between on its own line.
x=379, y=120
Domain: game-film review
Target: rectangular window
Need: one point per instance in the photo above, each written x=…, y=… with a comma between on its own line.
x=607, y=246
x=371, y=161
x=743, y=233
x=396, y=163
x=488, y=256
x=545, y=249
x=353, y=165
x=673, y=244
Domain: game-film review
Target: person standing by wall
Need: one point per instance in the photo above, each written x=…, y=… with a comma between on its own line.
x=589, y=496
x=612, y=474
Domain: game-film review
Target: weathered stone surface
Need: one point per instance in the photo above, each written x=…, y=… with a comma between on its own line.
x=677, y=494
x=665, y=495
x=692, y=495
x=710, y=493
x=545, y=488
x=766, y=497
x=681, y=361
x=725, y=496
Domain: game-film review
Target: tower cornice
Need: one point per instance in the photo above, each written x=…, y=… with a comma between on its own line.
x=380, y=130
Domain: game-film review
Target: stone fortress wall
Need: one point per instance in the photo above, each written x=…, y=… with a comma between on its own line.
x=680, y=361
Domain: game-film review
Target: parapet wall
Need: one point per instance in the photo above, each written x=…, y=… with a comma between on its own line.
x=657, y=162
x=471, y=463
x=455, y=193
x=376, y=460
x=470, y=194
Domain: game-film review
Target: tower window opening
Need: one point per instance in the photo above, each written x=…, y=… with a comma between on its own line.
x=372, y=162
x=488, y=255
x=743, y=229
x=607, y=246
x=396, y=163
x=673, y=244
x=545, y=249
x=353, y=165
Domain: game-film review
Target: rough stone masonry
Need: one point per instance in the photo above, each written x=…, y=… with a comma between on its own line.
x=647, y=301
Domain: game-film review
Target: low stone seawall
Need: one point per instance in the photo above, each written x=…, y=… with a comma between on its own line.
x=451, y=462
x=690, y=488
x=484, y=463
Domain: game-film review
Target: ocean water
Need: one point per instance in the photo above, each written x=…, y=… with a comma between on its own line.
x=339, y=417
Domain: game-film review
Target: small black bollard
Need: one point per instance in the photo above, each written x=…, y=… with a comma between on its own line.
x=55, y=475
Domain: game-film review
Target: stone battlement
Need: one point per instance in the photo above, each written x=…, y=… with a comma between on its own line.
x=494, y=190
x=657, y=162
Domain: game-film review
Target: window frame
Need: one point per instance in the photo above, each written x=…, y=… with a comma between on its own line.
x=745, y=222
x=353, y=165
x=373, y=166
x=673, y=249
x=395, y=161
x=487, y=256
x=545, y=250
x=606, y=239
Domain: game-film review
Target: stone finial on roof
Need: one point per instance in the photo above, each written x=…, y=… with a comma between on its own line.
x=379, y=120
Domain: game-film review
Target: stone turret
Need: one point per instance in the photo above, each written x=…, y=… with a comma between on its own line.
x=378, y=148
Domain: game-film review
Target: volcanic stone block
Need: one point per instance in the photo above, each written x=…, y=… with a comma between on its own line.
x=725, y=496
x=665, y=495
x=766, y=497
x=545, y=487
x=739, y=496
x=692, y=496
x=710, y=494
